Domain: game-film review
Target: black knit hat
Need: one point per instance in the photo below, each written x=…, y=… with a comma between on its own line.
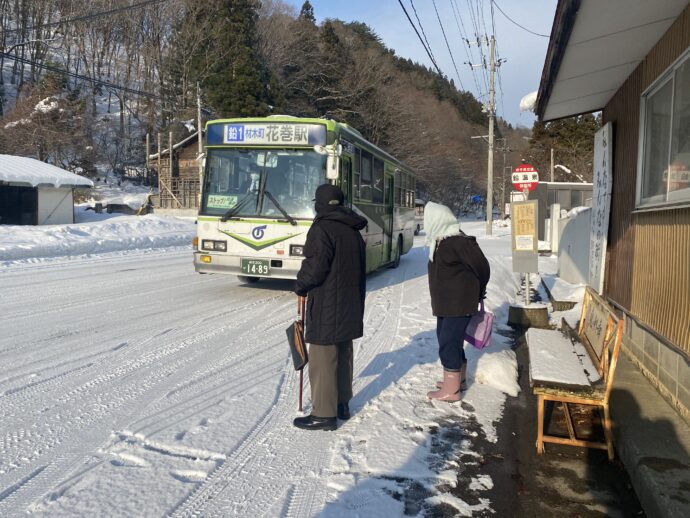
x=329, y=195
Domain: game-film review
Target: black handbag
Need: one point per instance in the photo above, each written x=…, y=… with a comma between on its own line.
x=298, y=347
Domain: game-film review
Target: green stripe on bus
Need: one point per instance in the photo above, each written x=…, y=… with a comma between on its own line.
x=259, y=245
x=255, y=221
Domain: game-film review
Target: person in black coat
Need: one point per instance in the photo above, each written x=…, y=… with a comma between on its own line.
x=458, y=275
x=332, y=277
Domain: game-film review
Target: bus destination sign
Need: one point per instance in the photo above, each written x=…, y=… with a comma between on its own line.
x=286, y=134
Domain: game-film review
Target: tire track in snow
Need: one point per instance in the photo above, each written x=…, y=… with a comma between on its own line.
x=100, y=421
x=275, y=447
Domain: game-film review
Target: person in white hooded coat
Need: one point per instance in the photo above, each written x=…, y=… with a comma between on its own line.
x=458, y=275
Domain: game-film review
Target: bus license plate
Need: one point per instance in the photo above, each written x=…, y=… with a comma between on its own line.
x=255, y=267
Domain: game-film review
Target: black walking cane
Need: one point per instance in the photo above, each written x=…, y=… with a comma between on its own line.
x=301, y=305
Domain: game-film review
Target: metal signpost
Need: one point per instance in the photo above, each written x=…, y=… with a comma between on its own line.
x=524, y=225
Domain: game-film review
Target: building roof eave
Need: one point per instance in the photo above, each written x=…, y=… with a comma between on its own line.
x=562, y=28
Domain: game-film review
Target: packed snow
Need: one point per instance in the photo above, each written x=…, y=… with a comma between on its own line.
x=555, y=359
x=133, y=386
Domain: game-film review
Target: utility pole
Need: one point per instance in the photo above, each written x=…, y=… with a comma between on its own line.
x=200, y=136
x=551, y=164
x=490, y=167
x=503, y=178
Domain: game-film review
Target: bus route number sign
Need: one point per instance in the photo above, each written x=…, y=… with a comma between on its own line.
x=255, y=267
x=525, y=178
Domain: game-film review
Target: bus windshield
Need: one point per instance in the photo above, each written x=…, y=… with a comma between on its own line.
x=272, y=183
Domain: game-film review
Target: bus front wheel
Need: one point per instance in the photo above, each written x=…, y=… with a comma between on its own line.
x=248, y=280
x=398, y=253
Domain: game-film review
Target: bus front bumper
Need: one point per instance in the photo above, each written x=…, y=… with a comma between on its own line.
x=280, y=268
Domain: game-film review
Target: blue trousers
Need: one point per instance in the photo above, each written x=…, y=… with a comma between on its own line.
x=450, y=332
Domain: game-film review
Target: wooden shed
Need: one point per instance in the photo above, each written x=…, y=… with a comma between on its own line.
x=631, y=60
x=35, y=193
x=178, y=173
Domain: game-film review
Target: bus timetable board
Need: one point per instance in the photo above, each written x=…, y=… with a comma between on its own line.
x=524, y=231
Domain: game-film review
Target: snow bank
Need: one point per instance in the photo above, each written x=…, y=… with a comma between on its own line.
x=109, y=233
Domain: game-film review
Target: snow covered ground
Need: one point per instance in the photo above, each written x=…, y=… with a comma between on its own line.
x=132, y=386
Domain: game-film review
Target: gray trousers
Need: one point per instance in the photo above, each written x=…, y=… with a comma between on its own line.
x=330, y=377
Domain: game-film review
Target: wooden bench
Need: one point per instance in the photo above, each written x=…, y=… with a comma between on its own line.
x=576, y=368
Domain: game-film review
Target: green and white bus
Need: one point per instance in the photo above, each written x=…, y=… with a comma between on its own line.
x=260, y=176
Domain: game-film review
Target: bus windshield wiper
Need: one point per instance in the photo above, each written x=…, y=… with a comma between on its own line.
x=234, y=210
x=281, y=209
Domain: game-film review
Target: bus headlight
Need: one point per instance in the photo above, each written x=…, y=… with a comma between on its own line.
x=218, y=246
x=296, y=249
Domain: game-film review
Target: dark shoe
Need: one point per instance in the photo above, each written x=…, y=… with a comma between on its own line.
x=343, y=411
x=311, y=422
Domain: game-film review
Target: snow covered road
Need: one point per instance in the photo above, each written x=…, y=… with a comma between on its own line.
x=132, y=386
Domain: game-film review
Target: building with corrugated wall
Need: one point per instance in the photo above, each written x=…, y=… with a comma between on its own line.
x=630, y=59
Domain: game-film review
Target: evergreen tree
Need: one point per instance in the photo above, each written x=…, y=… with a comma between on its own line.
x=572, y=140
x=307, y=12
x=236, y=86
x=215, y=45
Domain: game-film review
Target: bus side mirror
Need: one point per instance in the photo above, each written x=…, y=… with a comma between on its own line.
x=332, y=167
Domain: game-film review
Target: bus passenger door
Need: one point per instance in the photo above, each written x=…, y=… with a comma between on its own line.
x=388, y=219
x=346, y=179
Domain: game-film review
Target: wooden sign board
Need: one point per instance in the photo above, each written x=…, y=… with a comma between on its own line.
x=601, y=205
x=596, y=318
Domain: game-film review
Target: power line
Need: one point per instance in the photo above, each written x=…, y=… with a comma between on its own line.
x=447, y=45
x=463, y=38
x=57, y=70
x=421, y=27
x=500, y=61
x=480, y=48
x=516, y=23
x=483, y=15
x=428, y=51
x=86, y=17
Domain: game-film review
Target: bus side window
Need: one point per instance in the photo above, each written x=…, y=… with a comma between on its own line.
x=403, y=191
x=377, y=183
x=365, y=191
x=357, y=172
x=398, y=187
x=346, y=178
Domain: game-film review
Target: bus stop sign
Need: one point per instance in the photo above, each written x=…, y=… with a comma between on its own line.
x=525, y=178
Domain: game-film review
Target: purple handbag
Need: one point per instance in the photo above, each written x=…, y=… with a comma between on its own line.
x=479, y=330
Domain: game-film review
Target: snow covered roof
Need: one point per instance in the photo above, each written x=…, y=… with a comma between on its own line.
x=20, y=170
x=180, y=144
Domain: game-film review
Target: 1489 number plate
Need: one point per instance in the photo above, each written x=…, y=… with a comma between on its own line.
x=255, y=267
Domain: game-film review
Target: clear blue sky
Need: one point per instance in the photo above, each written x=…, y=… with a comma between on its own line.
x=524, y=52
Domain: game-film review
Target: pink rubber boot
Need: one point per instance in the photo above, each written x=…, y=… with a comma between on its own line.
x=450, y=391
x=463, y=378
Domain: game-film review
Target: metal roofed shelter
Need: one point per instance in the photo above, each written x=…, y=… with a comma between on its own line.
x=630, y=59
x=594, y=47
x=35, y=193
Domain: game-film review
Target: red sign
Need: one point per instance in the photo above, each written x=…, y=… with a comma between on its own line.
x=525, y=178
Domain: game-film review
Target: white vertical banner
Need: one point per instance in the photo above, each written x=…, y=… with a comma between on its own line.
x=601, y=205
